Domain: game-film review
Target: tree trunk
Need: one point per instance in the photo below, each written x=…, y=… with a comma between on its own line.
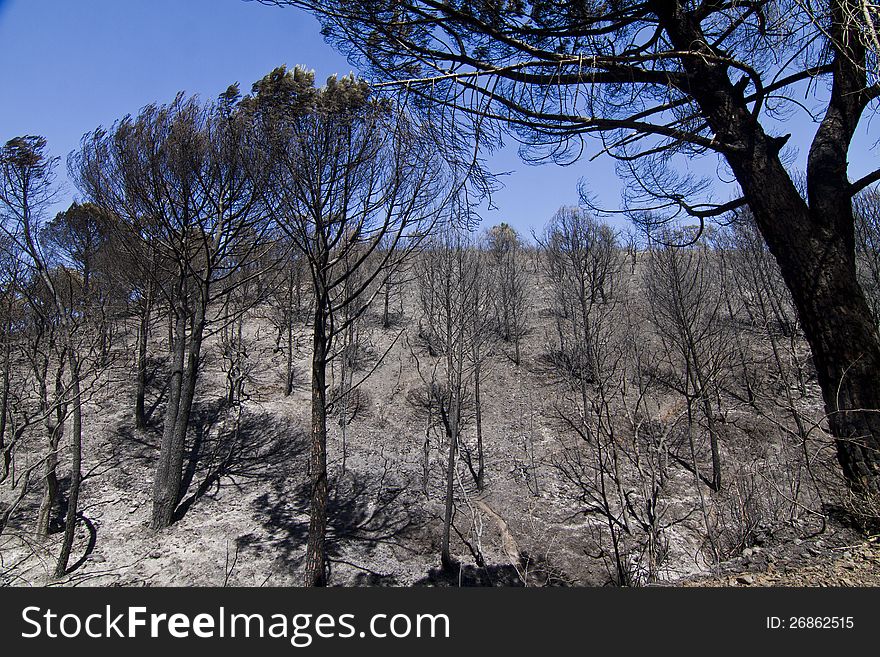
x=163, y=488
x=75, y=467
x=446, y=561
x=50, y=487
x=815, y=250
x=814, y=244
x=104, y=335
x=478, y=410
x=843, y=339
x=55, y=432
x=4, y=399
x=315, y=570
x=701, y=391
x=288, y=385
x=452, y=422
x=426, y=454
x=165, y=504
x=140, y=418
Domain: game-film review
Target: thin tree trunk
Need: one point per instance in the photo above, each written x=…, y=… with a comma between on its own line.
x=452, y=422
x=4, y=400
x=426, y=453
x=50, y=484
x=55, y=432
x=140, y=417
x=288, y=386
x=75, y=467
x=478, y=409
x=315, y=568
x=446, y=561
x=703, y=394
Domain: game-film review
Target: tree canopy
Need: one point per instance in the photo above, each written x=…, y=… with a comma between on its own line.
x=649, y=79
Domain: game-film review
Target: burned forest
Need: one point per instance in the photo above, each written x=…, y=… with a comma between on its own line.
x=281, y=336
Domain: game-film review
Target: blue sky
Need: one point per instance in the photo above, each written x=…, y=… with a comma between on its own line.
x=67, y=66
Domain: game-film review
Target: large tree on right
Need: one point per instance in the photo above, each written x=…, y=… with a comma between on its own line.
x=659, y=81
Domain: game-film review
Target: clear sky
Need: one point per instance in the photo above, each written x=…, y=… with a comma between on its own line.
x=67, y=66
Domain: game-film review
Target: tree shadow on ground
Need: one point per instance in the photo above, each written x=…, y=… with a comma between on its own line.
x=363, y=512
x=252, y=449
x=128, y=445
x=27, y=511
x=157, y=383
x=92, y=532
x=471, y=575
x=530, y=571
x=141, y=446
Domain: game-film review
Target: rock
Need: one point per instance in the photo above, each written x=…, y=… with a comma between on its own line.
x=155, y=554
x=745, y=580
x=97, y=558
x=747, y=553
